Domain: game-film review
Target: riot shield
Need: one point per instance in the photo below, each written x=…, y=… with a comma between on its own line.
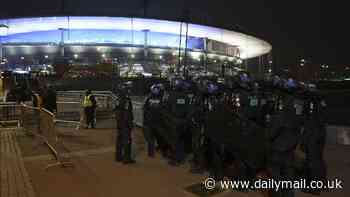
x=242, y=137
x=168, y=127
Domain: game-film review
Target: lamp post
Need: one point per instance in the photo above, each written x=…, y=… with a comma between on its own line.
x=62, y=41
x=3, y=28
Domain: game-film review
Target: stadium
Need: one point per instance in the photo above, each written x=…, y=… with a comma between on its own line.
x=134, y=45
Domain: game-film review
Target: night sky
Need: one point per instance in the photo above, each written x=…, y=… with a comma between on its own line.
x=292, y=27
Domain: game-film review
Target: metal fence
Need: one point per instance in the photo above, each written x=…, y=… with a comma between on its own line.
x=10, y=114
x=41, y=124
x=68, y=105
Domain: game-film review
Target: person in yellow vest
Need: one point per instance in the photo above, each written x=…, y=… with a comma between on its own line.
x=89, y=105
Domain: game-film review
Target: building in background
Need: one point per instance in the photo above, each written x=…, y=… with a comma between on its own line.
x=133, y=45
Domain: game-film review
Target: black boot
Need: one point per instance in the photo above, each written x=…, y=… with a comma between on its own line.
x=128, y=159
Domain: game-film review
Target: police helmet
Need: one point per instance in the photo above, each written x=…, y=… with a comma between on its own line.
x=212, y=88
x=178, y=84
x=276, y=81
x=244, y=78
x=156, y=89
x=290, y=84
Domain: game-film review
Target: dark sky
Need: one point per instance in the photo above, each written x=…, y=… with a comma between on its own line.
x=292, y=27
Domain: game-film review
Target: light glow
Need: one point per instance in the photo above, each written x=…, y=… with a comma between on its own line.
x=249, y=46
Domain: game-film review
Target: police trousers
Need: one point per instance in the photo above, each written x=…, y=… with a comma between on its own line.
x=123, y=144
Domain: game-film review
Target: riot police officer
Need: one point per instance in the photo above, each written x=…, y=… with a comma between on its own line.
x=152, y=117
x=178, y=108
x=124, y=116
x=284, y=137
x=314, y=137
x=196, y=128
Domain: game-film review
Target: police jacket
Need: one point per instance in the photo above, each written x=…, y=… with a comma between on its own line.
x=124, y=113
x=178, y=105
x=152, y=110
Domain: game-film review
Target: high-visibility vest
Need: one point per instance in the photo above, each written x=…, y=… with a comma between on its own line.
x=87, y=101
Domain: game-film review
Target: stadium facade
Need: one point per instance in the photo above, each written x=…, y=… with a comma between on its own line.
x=144, y=44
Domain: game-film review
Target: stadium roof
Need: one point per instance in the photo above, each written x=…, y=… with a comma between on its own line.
x=249, y=46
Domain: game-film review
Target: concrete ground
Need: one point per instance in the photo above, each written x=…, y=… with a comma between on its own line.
x=96, y=174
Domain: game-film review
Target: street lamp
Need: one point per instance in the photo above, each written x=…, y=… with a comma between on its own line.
x=3, y=31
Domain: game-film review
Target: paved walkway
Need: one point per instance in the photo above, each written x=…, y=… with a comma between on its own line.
x=14, y=181
x=95, y=174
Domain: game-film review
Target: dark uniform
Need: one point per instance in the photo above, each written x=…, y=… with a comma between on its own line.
x=178, y=108
x=50, y=100
x=124, y=116
x=197, y=131
x=314, y=139
x=284, y=137
x=151, y=122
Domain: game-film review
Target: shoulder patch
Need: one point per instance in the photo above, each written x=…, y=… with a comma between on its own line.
x=180, y=101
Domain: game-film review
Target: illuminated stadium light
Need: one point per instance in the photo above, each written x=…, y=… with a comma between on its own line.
x=46, y=56
x=87, y=30
x=3, y=29
x=160, y=57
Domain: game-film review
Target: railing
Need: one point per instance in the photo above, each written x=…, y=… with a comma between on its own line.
x=138, y=113
x=106, y=101
x=9, y=114
x=42, y=125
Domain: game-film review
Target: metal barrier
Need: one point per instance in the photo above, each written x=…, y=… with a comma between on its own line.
x=9, y=114
x=68, y=110
x=138, y=113
x=106, y=102
x=42, y=125
x=69, y=105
